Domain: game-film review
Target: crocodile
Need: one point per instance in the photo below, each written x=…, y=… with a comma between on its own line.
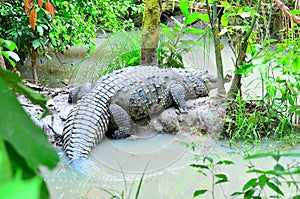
x=126, y=95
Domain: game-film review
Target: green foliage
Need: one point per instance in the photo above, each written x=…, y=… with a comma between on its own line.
x=172, y=45
x=23, y=146
x=6, y=49
x=278, y=64
x=279, y=73
x=75, y=23
x=264, y=184
x=272, y=179
x=118, y=15
x=248, y=120
x=125, y=51
x=209, y=165
x=126, y=194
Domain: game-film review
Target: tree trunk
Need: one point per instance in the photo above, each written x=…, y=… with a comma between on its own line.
x=236, y=83
x=2, y=62
x=214, y=21
x=150, y=31
x=33, y=65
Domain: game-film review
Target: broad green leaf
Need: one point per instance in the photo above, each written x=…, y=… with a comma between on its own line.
x=263, y=179
x=226, y=5
x=194, y=31
x=184, y=7
x=19, y=188
x=5, y=165
x=204, y=17
x=6, y=55
x=14, y=81
x=191, y=18
x=19, y=130
x=245, y=69
x=275, y=188
x=251, y=183
x=296, y=197
x=199, y=192
x=10, y=45
x=225, y=19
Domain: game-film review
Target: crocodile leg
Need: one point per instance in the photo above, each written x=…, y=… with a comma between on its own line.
x=77, y=93
x=121, y=121
x=178, y=96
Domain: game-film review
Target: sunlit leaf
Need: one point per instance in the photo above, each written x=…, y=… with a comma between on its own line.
x=33, y=18
x=184, y=7
x=18, y=129
x=191, y=18
x=194, y=31
x=5, y=165
x=7, y=56
x=10, y=45
x=204, y=17
x=19, y=188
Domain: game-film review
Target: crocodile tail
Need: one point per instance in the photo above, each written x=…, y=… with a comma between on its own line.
x=87, y=123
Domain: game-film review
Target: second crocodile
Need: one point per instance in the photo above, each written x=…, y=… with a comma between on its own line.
x=131, y=93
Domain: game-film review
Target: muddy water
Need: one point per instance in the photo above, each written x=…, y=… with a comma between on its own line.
x=117, y=165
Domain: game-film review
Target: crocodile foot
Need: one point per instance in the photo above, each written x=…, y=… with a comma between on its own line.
x=118, y=134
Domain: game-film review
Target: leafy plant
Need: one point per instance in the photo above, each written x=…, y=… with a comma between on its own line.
x=11, y=56
x=172, y=45
x=125, y=194
x=124, y=51
x=279, y=71
x=19, y=158
x=248, y=120
x=208, y=165
x=273, y=179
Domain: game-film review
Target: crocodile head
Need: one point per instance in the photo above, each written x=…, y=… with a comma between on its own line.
x=200, y=83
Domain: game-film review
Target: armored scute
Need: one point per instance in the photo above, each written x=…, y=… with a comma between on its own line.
x=128, y=94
